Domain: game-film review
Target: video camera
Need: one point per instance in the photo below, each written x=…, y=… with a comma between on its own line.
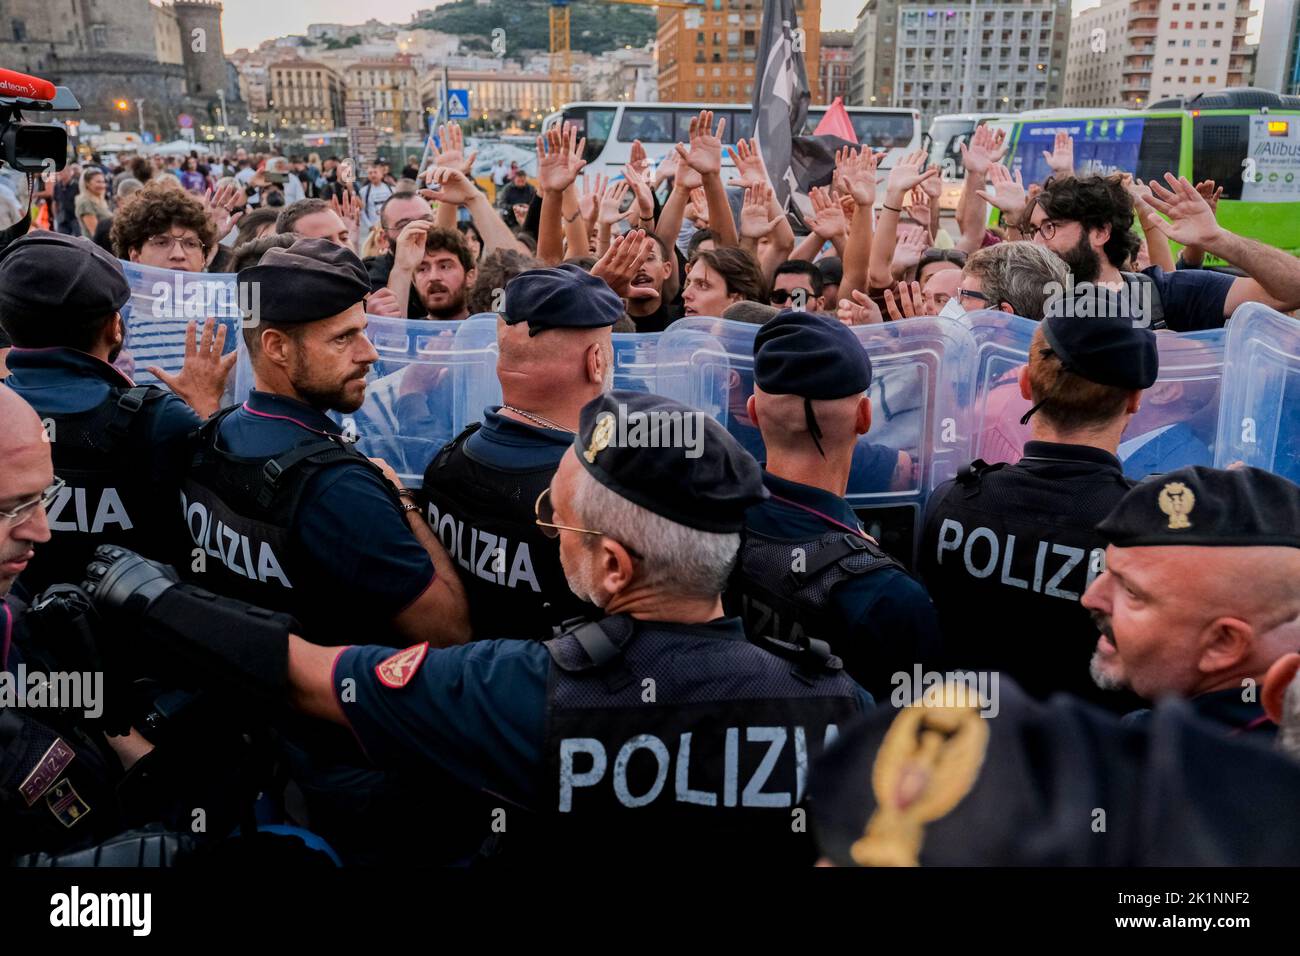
x=25, y=146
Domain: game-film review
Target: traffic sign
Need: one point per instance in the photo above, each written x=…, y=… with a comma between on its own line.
x=185, y=121
x=458, y=104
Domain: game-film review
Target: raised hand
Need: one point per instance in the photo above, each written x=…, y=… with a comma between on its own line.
x=1210, y=193
x=697, y=209
x=908, y=174
x=911, y=302
x=705, y=154
x=911, y=245
x=639, y=160
x=639, y=183
x=384, y=302
x=611, y=203
x=623, y=260
x=409, y=249
x=559, y=158
x=920, y=207
x=589, y=198
x=857, y=170
x=987, y=147
x=858, y=310
x=453, y=149
x=827, y=219
x=202, y=378
x=754, y=223
x=749, y=164
x=348, y=208
x=221, y=207
x=1061, y=157
x=1191, y=220
x=451, y=185
x=1004, y=191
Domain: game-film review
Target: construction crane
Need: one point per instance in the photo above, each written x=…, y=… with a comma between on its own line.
x=561, y=52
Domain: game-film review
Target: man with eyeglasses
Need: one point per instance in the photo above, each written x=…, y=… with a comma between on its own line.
x=798, y=285
x=164, y=227
x=554, y=356
x=659, y=734
x=117, y=444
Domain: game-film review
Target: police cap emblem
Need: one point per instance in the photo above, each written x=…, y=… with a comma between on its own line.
x=1177, y=501
x=600, y=437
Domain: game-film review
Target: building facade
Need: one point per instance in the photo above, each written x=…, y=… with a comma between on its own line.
x=392, y=90
x=306, y=95
x=499, y=96
x=1133, y=52
x=981, y=56
x=836, y=65
x=710, y=54
x=1277, y=65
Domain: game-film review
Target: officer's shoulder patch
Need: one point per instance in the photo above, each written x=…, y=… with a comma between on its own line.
x=397, y=671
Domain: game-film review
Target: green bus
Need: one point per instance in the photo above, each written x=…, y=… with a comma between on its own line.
x=1246, y=140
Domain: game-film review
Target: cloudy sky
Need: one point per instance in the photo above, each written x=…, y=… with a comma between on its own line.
x=249, y=22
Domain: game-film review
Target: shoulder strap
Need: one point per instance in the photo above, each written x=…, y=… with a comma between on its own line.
x=440, y=460
x=835, y=551
x=971, y=475
x=603, y=642
x=321, y=451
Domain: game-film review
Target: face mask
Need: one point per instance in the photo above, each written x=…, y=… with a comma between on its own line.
x=952, y=309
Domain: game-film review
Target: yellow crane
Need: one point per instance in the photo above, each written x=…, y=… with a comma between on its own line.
x=561, y=52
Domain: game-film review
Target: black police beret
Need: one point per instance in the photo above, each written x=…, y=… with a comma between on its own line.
x=812, y=356
x=1208, y=507
x=310, y=280
x=1108, y=351
x=44, y=274
x=669, y=458
x=1023, y=787
x=560, y=297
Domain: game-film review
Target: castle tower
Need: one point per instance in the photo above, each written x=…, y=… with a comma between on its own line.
x=205, y=68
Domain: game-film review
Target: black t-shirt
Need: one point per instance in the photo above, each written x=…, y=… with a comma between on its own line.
x=1193, y=299
x=378, y=268
x=661, y=318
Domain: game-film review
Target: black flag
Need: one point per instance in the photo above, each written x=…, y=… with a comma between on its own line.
x=780, y=94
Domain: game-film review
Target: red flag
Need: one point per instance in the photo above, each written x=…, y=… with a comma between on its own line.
x=836, y=122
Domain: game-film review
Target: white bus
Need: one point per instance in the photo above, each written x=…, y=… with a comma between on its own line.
x=610, y=129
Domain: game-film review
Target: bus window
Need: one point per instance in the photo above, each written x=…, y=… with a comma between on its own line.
x=593, y=123
x=1220, y=145
x=1104, y=146
x=649, y=126
x=1161, y=144
x=744, y=128
x=945, y=134
x=684, y=117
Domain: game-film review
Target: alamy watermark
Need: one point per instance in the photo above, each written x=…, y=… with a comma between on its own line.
x=648, y=429
x=55, y=690
x=1132, y=299
x=917, y=688
x=189, y=298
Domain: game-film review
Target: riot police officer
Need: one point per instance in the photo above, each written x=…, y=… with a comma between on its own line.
x=554, y=355
x=117, y=446
x=285, y=513
x=282, y=511
x=1007, y=550
x=807, y=570
x=1198, y=597
x=658, y=733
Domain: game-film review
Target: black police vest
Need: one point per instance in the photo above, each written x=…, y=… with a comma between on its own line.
x=666, y=744
x=1006, y=555
x=511, y=572
x=110, y=497
x=781, y=587
x=241, y=512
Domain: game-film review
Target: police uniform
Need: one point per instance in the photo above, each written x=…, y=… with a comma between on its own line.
x=1060, y=783
x=478, y=492
x=118, y=446
x=283, y=513
x=844, y=590
x=1211, y=508
x=1008, y=550
x=627, y=738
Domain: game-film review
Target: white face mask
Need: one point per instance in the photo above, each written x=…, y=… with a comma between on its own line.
x=952, y=309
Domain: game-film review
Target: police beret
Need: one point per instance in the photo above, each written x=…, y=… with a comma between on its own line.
x=1108, y=351
x=669, y=458
x=310, y=280
x=560, y=297
x=1208, y=507
x=1023, y=784
x=44, y=274
x=812, y=356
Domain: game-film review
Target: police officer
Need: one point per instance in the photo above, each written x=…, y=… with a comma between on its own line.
x=1198, y=599
x=658, y=733
x=942, y=785
x=807, y=570
x=117, y=446
x=1007, y=550
x=554, y=355
x=281, y=510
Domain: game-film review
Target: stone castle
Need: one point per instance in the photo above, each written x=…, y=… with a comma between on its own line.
x=170, y=56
